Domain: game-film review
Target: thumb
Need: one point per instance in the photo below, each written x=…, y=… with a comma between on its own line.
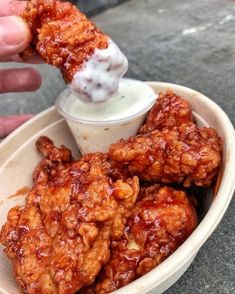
x=14, y=35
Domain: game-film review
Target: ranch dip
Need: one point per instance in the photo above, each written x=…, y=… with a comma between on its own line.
x=100, y=75
x=96, y=126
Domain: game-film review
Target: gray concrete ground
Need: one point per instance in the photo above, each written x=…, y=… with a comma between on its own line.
x=187, y=42
x=92, y=7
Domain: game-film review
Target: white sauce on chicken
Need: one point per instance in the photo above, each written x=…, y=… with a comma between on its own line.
x=99, y=78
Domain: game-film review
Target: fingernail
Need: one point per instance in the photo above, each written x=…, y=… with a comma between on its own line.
x=13, y=30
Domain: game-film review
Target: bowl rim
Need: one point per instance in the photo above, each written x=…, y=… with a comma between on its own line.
x=224, y=195
x=192, y=245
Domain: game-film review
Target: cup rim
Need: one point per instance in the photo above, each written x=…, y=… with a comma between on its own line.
x=95, y=123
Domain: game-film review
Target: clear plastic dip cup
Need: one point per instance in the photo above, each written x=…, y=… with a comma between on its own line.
x=96, y=126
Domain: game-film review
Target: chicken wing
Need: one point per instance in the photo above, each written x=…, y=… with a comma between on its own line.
x=170, y=110
x=186, y=154
x=65, y=38
x=59, y=241
x=159, y=224
x=62, y=35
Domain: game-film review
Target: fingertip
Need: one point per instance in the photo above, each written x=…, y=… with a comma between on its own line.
x=28, y=79
x=9, y=123
x=24, y=32
x=25, y=117
x=33, y=78
x=19, y=80
x=25, y=28
x=15, y=35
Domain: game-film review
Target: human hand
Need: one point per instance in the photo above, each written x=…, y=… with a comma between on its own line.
x=14, y=38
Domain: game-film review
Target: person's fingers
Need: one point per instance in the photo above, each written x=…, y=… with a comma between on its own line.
x=15, y=7
x=19, y=80
x=10, y=123
x=13, y=58
x=36, y=59
x=11, y=7
x=14, y=35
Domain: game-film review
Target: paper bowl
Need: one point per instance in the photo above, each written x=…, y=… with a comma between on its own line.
x=18, y=157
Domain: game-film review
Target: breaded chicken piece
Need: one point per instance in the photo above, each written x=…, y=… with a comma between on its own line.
x=185, y=154
x=170, y=110
x=90, y=62
x=61, y=35
x=160, y=222
x=59, y=241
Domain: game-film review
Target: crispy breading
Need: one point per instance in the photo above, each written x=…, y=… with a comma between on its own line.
x=186, y=154
x=61, y=35
x=159, y=223
x=86, y=226
x=170, y=110
x=59, y=241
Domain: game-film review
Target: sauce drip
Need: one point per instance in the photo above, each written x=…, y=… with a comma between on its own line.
x=21, y=192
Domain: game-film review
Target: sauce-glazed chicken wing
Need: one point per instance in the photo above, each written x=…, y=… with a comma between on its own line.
x=170, y=110
x=159, y=223
x=62, y=35
x=186, y=154
x=59, y=241
x=90, y=62
x=87, y=226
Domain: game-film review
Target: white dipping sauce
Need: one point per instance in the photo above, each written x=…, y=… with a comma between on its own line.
x=96, y=126
x=99, y=78
x=132, y=97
